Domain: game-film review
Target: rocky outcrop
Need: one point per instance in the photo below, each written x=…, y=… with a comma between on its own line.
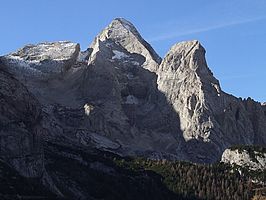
x=20, y=129
x=252, y=159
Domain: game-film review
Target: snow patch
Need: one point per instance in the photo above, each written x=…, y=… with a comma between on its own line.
x=119, y=55
x=16, y=61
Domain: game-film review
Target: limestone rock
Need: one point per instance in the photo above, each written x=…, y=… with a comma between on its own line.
x=210, y=119
x=125, y=100
x=252, y=159
x=126, y=35
x=43, y=60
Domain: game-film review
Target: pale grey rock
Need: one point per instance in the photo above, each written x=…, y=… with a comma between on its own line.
x=125, y=103
x=44, y=60
x=185, y=79
x=210, y=119
x=126, y=35
x=243, y=158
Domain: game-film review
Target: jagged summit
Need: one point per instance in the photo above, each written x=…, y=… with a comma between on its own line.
x=187, y=59
x=123, y=33
x=186, y=79
x=206, y=113
x=187, y=44
x=126, y=24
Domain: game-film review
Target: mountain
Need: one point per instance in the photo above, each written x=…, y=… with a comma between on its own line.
x=210, y=119
x=61, y=106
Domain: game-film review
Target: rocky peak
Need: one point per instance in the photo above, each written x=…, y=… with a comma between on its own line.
x=187, y=59
x=189, y=84
x=206, y=113
x=123, y=26
x=123, y=33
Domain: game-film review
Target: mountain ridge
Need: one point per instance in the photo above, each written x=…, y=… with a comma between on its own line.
x=119, y=61
x=118, y=96
x=97, y=111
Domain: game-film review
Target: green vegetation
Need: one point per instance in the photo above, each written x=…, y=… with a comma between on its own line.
x=97, y=174
x=217, y=181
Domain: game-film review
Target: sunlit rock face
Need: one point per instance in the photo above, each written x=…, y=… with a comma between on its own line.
x=210, y=119
x=43, y=60
x=126, y=35
x=251, y=159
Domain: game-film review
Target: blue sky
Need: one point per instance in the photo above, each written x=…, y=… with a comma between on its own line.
x=232, y=31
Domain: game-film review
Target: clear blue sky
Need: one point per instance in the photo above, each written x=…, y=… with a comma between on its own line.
x=232, y=31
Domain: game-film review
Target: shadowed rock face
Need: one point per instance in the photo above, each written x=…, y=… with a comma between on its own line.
x=119, y=96
x=20, y=130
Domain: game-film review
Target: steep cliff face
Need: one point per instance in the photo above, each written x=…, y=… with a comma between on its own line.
x=20, y=129
x=124, y=96
x=210, y=119
x=126, y=35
